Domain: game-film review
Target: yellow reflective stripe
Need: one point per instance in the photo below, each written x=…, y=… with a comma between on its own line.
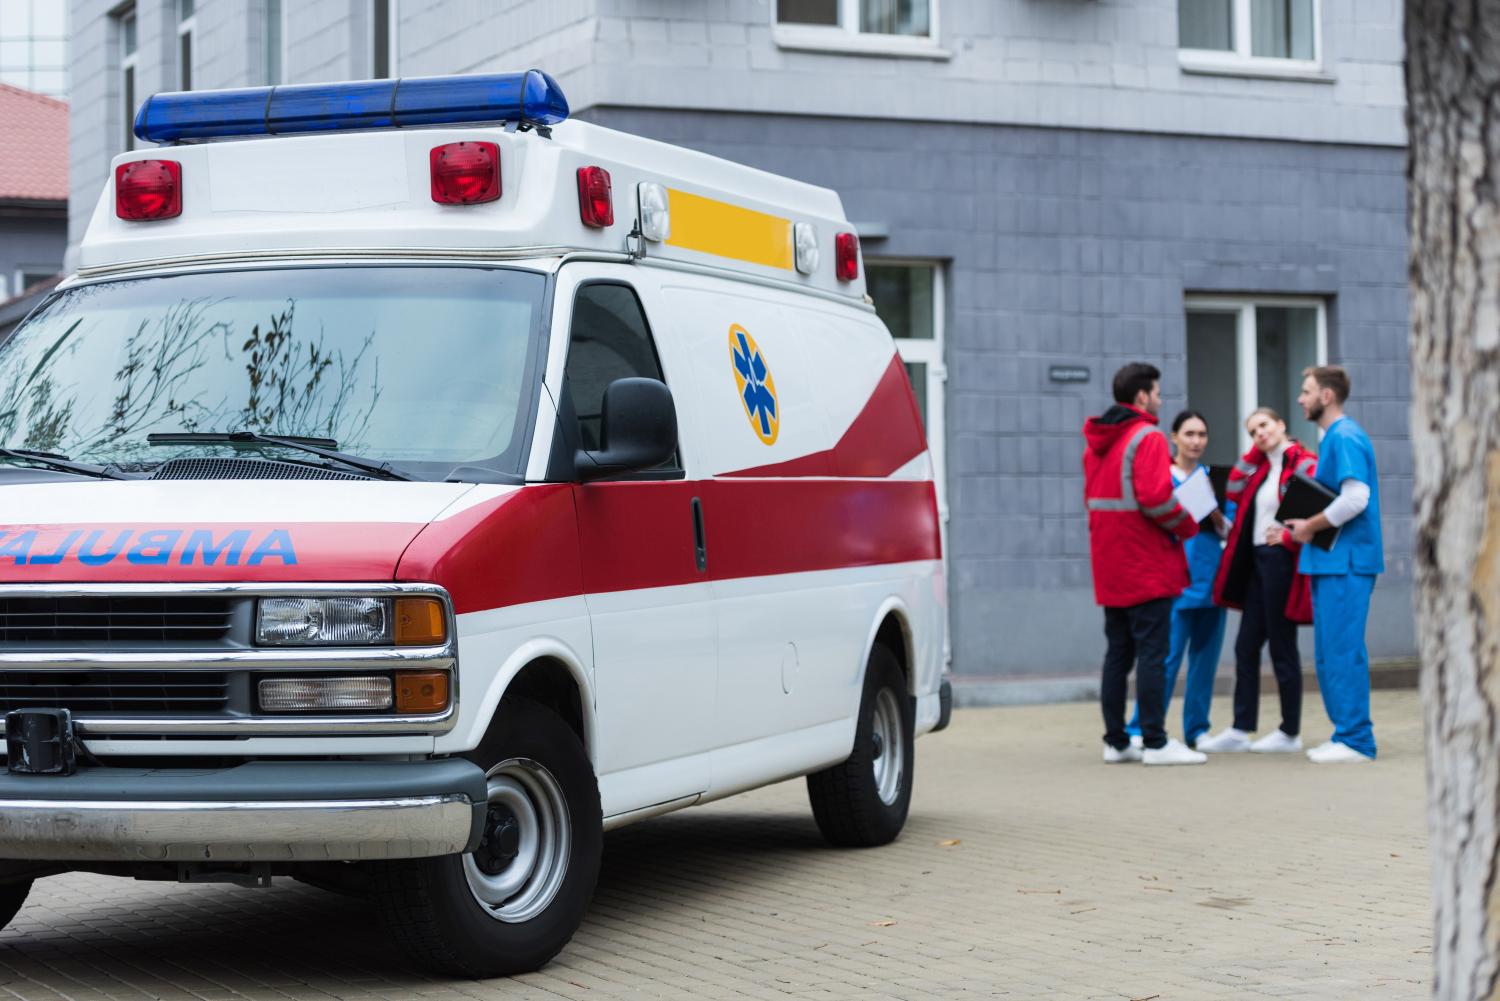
x=710, y=226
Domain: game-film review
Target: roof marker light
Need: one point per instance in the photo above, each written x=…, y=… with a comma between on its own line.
x=148, y=189
x=805, y=240
x=465, y=173
x=656, y=213
x=531, y=98
x=596, y=204
x=846, y=256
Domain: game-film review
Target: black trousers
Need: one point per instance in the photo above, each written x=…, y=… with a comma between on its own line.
x=1264, y=621
x=1139, y=636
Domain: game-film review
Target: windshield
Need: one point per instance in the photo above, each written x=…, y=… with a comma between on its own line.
x=425, y=367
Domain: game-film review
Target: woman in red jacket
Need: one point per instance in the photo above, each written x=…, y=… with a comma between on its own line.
x=1258, y=575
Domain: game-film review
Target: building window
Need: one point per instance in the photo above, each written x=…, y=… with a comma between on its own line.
x=1248, y=353
x=909, y=299
x=185, y=25
x=274, y=32
x=1250, y=33
x=26, y=277
x=877, y=17
x=892, y=27
x=128, y=59
x=34, y=46
x=384, y=22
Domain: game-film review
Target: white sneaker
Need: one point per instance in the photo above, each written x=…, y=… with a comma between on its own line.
x=1276, y=742
x=1175, y=752
x=1333, y=753
x=1229, y=741
x=1114, y=757
x=1136, y=741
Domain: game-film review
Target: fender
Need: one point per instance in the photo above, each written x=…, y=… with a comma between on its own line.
x=554, y=648
x=892, y=603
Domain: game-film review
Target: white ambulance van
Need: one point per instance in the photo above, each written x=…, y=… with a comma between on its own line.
x=412, y=485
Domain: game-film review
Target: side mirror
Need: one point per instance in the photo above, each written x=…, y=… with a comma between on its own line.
x=638, y=430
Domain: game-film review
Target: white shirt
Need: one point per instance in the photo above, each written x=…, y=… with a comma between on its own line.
x=1268, y=497
x=1354, y=497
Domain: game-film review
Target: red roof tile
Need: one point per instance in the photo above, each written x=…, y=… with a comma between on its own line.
x=34, y=155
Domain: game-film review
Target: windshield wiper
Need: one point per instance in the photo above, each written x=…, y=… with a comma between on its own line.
x=54, y=461
x=327, y=448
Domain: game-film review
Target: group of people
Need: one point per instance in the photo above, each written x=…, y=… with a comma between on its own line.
x=1166, y=579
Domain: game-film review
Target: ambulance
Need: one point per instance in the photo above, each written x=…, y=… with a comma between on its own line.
x=412, y=485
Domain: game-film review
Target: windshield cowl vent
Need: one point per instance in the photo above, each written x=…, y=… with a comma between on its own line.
x=245, y=469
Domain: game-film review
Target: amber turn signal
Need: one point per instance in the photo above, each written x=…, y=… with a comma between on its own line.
x=421, y=691
x=420, y=622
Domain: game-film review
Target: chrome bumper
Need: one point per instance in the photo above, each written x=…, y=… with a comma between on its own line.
x=259, y=812
x=330, y=830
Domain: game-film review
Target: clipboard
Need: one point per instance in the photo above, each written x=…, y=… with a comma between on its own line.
x=1304, y=498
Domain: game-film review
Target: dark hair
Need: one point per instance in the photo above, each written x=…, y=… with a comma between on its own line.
x=1184, y=417
x=1330, y=377
x=1137, y=377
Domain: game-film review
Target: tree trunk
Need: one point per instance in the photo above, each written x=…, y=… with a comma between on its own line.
x=1453, y=111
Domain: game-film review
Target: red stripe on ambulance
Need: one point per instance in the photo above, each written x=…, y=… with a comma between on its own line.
x=886, y=435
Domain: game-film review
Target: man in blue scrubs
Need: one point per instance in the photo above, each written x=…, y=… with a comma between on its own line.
x=1344, y=576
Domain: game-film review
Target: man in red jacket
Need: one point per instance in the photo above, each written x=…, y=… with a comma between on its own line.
x=1136, y=529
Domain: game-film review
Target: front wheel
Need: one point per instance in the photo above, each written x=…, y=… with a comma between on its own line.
x=863, y=802
x=513, y=903
x=12, y=896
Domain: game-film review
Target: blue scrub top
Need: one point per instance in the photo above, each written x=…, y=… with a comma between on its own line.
x=1346, y=453
x=1202, y=551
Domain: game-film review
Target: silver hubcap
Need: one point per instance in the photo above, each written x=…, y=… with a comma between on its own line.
x=890, y=751
x=519, y=866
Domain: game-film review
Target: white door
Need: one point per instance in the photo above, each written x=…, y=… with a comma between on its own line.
x=650, y=603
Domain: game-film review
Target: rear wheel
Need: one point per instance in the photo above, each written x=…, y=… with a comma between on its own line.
x=864, y=801
x=513, y=903
x=12, y=896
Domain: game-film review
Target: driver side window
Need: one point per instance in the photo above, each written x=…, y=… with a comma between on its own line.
x=609, y=340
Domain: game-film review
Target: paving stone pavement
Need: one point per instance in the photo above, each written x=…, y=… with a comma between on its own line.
x=1028, y=869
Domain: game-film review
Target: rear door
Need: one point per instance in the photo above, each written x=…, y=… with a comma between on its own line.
x=650, y=603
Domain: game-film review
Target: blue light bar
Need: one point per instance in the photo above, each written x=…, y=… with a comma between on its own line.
x=530, y=98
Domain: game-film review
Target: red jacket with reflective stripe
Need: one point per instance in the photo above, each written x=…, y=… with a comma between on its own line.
x=1135, y=523
x=1233, y=578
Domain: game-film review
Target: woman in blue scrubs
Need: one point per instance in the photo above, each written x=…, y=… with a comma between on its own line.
x=1197, y=623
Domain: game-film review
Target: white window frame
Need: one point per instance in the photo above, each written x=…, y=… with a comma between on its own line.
x=1246, y=341
x=20, y=278
x=1240, y=62
x=129, y=64
x=846, y=37
x=392, y=38
x=929, y=352
x=280, y=48
x=185, y=28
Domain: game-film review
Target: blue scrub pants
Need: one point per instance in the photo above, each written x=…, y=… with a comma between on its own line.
x=1341, y=604
x=1197, y=633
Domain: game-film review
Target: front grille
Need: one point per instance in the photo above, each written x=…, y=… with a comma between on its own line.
x=95, y=693
x=246, y=469
x=114, y=619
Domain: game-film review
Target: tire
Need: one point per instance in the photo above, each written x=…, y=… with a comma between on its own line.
x=433, y=906
x=12, y=896
x=863, y=802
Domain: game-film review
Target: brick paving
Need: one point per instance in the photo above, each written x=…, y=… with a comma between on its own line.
x=1028, y=869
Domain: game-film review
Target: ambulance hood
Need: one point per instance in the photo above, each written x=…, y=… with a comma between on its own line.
x=187, y=531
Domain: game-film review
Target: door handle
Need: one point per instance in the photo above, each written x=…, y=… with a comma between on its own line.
x=700, y=544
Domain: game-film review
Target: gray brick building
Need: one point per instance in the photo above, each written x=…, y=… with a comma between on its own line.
x=1045, y=190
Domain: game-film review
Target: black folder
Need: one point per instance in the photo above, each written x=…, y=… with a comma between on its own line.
x=1304, y=498
x=1219, y=477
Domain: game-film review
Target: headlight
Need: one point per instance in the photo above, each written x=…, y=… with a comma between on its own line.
x=324, y=622
x=417, y=621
